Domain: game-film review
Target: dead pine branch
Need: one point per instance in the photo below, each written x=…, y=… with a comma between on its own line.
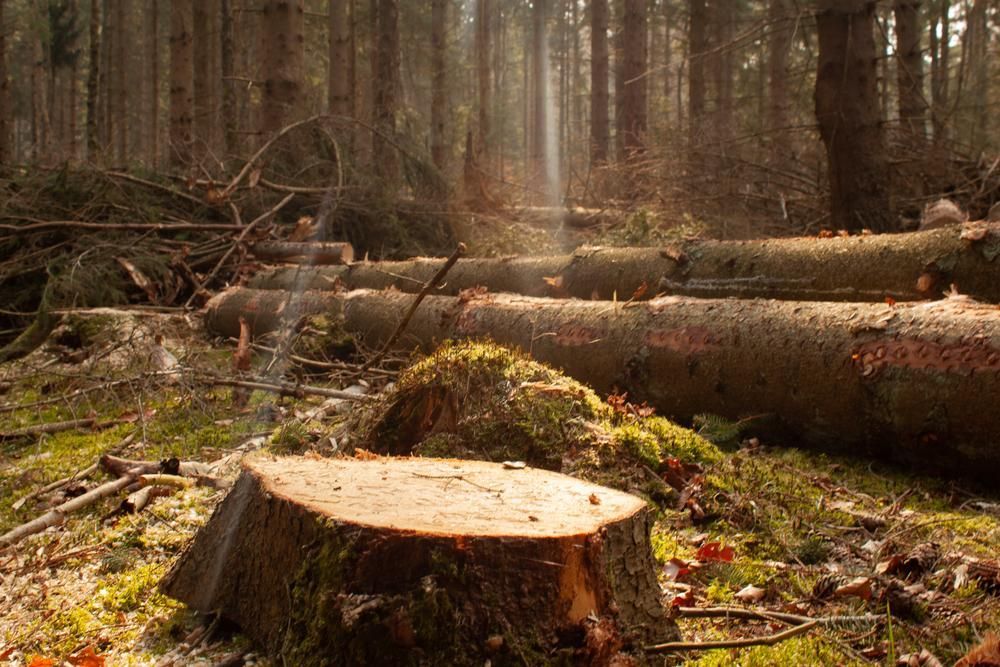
x=427, y=288
x=285, y=388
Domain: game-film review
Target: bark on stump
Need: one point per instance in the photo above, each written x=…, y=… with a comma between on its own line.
x=430, y=561
x=914, y=382
x=905, y=267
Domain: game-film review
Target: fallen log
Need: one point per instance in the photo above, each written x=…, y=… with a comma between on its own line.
x=902, y=267
x=304, y=253
x=429, y=561
x=914, y=382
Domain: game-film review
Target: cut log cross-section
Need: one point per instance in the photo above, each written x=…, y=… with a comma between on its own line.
x=429, y=561
x=903, y=267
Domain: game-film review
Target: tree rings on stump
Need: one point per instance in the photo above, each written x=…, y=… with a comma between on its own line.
x=426, y=561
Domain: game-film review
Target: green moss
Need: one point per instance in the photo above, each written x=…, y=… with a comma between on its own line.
x=484, y=401
x=797, y=651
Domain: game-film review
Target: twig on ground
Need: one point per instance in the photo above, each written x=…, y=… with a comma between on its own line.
x=427, y=288
x=51, y=427
x=285, y=388
x=769, y=640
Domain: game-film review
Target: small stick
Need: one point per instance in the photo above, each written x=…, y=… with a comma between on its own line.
x=51, y=427
x=57, y=515
x=54, y=486
x=427, y=288
x=769, y=640
x=159, y=479
x=764, y=615
x=287, y=388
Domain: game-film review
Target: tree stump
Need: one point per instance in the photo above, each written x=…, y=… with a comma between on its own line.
x=429, y=561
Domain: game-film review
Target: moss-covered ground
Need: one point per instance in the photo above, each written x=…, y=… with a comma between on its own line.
x=799, y=526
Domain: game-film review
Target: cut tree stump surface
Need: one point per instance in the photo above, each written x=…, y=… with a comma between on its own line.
x=426, y=561
x=448, y=498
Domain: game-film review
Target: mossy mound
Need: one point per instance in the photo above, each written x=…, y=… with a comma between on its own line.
x=479, y=400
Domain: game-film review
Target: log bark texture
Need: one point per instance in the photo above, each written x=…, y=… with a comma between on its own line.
x=913, y=382
x=903, y=267
x=424, y=561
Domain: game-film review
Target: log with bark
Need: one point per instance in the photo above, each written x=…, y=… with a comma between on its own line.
x=425, y=561
x=915, y=382
x=304, y=252
x=902, y=267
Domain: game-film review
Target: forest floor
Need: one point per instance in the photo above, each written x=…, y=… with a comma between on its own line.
x=764, y=527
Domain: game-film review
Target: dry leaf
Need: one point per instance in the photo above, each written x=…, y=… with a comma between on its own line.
x=987, y=654
x=714, y=551
x=926, y=282
x=594, y=500
x=859, y=588
x=750, y=594
x=676, y=569
x=39, y=661
x=86, y=658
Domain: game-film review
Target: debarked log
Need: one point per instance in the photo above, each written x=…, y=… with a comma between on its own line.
x=304, y=252
x=425, y=561
x=902, y=267
x=916, y=382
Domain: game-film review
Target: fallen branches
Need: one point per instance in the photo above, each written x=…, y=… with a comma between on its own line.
x=285, y=388
x=48, y=428
x=769, y=640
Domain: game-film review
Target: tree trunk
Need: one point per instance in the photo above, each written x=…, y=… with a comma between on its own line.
x=387, y=59
x=119, y=88
x=847, y=110
x=203, y=117
x=977, y=63
x=299, y=556
x=914, y=382
x=599, y=127
x=227, y=47
x=697, y=47
x=340, y=83
x=93, y=82
x=5, y=107
x=634, y=77
x=282, y=56
x=910, y=64
x=779, y=44
x=539, y=113
x=904, y=267
x=181, y=82
x=439, y=91
x=484, y=40
x=940, y=76
x=152, y=120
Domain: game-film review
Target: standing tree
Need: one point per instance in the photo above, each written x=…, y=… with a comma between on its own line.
x=847, y=110
x=387, y=58
x=910, y=67
x=599, y=124
x=282, y=56
x=539, y=113
x=227, y=58
x=153, y=74
x=633, y=124
x=119, y=89
x=203, y=79
x=4, y=95
x=93, y=81
x=697, y=47
x=340, y=80
x=181, y=81
x=485, y=101
x=439, y=99
x=779, y=44
x=940, y=59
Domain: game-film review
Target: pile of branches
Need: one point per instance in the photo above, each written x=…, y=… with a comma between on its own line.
x=80, y=236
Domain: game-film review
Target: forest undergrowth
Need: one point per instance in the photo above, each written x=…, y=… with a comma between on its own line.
x=742, y=524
